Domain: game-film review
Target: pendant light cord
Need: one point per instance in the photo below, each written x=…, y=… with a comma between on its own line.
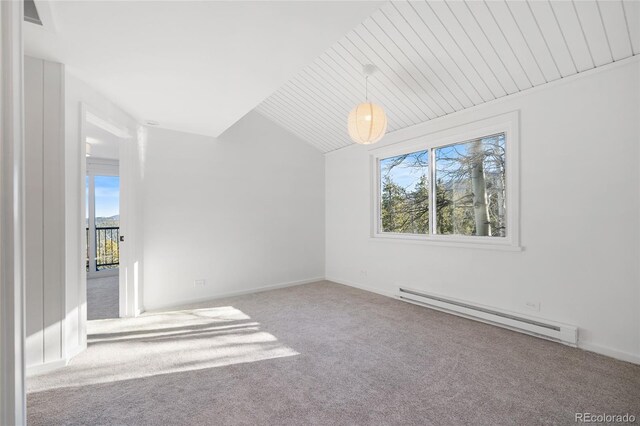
x=366, y=88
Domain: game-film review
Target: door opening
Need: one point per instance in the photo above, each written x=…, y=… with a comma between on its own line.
x=103, y=238
x=109, y=288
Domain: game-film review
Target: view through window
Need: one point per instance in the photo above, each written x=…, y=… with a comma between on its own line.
x=464, y=184
x=105, y=238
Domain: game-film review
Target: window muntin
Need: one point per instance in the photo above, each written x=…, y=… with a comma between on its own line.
x=445, y=176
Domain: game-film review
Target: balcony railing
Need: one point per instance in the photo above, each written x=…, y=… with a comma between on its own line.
x=107, y=247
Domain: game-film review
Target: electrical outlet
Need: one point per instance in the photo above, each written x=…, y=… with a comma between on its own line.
x=199, y=283
x=533, y=306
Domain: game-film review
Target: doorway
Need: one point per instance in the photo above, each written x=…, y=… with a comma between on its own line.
x=103, y=238
x=102, y=220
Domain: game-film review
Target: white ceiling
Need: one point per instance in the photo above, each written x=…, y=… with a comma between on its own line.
x=103, y=144
x=192, y=66
x=438, y=57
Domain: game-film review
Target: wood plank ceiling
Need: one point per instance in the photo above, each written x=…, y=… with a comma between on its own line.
x=438, y=57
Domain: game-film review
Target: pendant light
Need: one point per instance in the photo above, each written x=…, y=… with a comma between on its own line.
x=367, y=122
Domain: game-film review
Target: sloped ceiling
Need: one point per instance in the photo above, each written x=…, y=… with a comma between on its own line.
x=437, y=57
x=194, y=66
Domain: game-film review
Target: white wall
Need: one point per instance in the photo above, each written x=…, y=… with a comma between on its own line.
x=580, y=215
x=243, y=211
x=44, y=212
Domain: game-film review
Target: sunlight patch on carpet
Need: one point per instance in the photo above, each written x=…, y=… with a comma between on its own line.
x=162, y=343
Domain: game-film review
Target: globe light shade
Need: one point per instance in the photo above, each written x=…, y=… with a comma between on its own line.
x=367, y=123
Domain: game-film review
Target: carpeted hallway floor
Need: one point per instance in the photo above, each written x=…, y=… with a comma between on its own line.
x=103, y=298
x=324, y=354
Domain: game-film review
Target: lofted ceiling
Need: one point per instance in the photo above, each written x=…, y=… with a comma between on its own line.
x=193, y=66
x=438, y=57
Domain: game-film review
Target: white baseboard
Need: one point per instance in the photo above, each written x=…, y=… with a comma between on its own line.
x=215, y=296
x=34, y=370
x=361, y=287
x=612, y=353
x=602, y=350
x=75, y=350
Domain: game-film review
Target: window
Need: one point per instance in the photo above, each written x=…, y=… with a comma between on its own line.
x=470, y=188
x=456, y=188
x=404, y=193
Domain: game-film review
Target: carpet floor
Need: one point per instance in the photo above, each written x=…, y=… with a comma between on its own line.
x=103, y=298
x=324, y=354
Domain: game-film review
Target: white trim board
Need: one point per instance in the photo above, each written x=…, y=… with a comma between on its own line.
x=362, y=287
x=587, y=346
x=223, y=295
x=12, y=284
x=612, y=353
x=38, y=369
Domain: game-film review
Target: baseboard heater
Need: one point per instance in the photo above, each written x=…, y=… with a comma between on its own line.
x=562, y=333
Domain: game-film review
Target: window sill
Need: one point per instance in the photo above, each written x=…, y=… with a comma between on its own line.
x=448, y=242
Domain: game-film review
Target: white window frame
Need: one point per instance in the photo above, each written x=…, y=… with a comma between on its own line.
x=505, y=123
